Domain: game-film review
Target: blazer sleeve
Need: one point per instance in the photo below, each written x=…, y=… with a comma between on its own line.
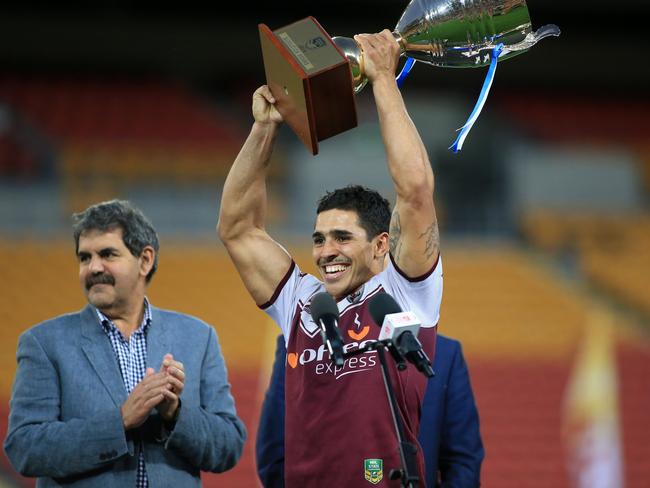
x=269, y=445
x=461, y=448
x=38, y=443
x=210, y=435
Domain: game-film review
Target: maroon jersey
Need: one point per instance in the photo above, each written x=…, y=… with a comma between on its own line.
x=339, y=430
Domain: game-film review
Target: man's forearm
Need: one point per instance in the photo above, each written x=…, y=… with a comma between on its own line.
x=52, y=448
x=209, y=441
x=408, y=162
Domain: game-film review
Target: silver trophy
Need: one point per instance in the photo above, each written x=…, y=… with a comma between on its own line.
x=314, y=77
x=455, y=34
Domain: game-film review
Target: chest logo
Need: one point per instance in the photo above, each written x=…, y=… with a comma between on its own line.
x=307, y=324
x=357, y=336
x=357, y=322
x=373, y=470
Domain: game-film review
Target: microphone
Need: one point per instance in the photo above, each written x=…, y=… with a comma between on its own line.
x=326, y=314
x=401, y=329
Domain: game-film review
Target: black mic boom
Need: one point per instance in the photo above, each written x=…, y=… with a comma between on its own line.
x=326, y=315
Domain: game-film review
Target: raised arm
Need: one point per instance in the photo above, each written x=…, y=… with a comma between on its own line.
x=414, y=238
x=261, y=262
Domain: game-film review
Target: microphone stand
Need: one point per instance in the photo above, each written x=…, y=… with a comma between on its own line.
x=408, y=475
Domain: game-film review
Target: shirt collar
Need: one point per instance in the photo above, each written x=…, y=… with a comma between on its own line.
x=108, y=324
x=355, y=296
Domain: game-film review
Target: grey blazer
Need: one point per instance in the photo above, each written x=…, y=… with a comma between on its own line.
x=65, y=424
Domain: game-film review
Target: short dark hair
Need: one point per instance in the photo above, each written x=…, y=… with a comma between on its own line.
x=137, y=230
x=372, y=209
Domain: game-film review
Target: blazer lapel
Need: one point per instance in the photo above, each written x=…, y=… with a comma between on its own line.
x=158, y=340
x=97, y=348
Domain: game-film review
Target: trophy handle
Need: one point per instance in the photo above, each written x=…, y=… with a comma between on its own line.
x=353, y=53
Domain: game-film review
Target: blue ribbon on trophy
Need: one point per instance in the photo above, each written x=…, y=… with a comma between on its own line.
x=487, y=84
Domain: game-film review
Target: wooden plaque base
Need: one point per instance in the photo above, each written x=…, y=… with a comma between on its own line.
x=310, y=80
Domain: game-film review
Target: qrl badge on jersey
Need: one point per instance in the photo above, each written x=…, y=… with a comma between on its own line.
x=373, y=470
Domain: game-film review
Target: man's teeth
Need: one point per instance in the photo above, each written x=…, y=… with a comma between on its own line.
x=335, y=268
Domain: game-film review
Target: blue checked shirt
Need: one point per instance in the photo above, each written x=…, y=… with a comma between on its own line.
x=132, y=358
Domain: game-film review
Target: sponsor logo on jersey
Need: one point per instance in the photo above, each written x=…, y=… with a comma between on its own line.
x=373, y=470
x=292, y=359
x=319, y=360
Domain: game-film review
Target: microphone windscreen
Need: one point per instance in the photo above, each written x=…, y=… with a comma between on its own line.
x=322, y=305
x=381, y=305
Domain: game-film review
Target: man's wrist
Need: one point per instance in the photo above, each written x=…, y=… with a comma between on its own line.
x=268, y=126
x=170, y=422
x=384, y=81
x=126, y=425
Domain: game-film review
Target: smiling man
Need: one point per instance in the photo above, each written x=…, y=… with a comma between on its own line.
x=339, y=430
x=120, y=394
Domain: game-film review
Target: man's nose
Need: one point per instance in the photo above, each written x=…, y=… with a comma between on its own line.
x=96, y=265
x=329, y=248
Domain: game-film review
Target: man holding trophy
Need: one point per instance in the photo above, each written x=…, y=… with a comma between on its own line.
x=339, y=430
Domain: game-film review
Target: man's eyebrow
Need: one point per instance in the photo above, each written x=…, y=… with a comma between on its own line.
x=333, y=233
x=107, y=249
x=103, y=250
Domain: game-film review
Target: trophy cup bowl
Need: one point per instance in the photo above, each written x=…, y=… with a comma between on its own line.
x=304, y=64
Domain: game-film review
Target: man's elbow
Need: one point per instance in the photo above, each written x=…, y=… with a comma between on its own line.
x=231, y=450
x=222, y=227
x=237, y=446
x=230, y=459
x=21, y=457
x=419, y=199
x=423, y=187
x=417, y=190
x=227, y=229
x=232, y=228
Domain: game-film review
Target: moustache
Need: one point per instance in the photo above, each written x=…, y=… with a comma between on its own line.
x=99, y=279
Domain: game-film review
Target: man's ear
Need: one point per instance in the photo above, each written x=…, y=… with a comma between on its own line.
x=147, y=258
x=382, y=245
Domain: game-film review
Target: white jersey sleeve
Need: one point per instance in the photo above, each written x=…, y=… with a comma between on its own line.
x=293, y=292
x=421, y=296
